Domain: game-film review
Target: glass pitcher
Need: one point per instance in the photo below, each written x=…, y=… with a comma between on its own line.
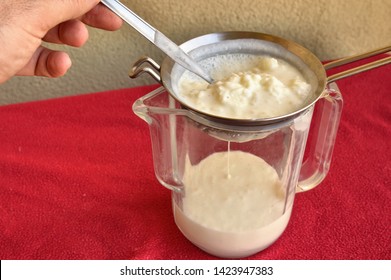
x=233, y=181
x=233, y=186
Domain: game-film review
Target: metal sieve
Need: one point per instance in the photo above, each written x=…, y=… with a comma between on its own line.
x=210, y=45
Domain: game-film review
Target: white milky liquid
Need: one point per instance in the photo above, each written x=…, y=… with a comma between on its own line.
x=233, y=211
x=247, y=87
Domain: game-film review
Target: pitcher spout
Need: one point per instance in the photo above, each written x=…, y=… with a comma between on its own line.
x=141, y=110
x=157, y=102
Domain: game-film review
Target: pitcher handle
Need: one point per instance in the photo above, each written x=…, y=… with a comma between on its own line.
x=324, y=131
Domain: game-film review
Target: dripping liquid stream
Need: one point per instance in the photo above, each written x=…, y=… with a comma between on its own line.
x=228, y=162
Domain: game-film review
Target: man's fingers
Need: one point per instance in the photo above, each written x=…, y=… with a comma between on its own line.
x=89, y=11
x=72, y=32
x=57, y=12
x=101, y=17
x=47, y=63
x=27, y=23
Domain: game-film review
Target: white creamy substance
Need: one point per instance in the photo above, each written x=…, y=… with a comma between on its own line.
x=247, y=87
x=233, y=204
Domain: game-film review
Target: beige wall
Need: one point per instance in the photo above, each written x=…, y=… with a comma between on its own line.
x=329, y=28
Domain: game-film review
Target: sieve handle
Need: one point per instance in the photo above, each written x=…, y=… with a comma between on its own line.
x=324, y=129
x=359, y=69
x=146, y=65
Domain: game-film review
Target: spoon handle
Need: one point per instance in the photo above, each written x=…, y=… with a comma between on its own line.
x=131, y=18
x=157, y=38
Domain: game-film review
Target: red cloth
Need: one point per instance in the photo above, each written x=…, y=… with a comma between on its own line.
x=77, y=182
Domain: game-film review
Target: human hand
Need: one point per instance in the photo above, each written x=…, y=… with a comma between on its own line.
x=25, y=24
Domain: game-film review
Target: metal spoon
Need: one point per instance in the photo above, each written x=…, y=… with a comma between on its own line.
x=157, y=38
